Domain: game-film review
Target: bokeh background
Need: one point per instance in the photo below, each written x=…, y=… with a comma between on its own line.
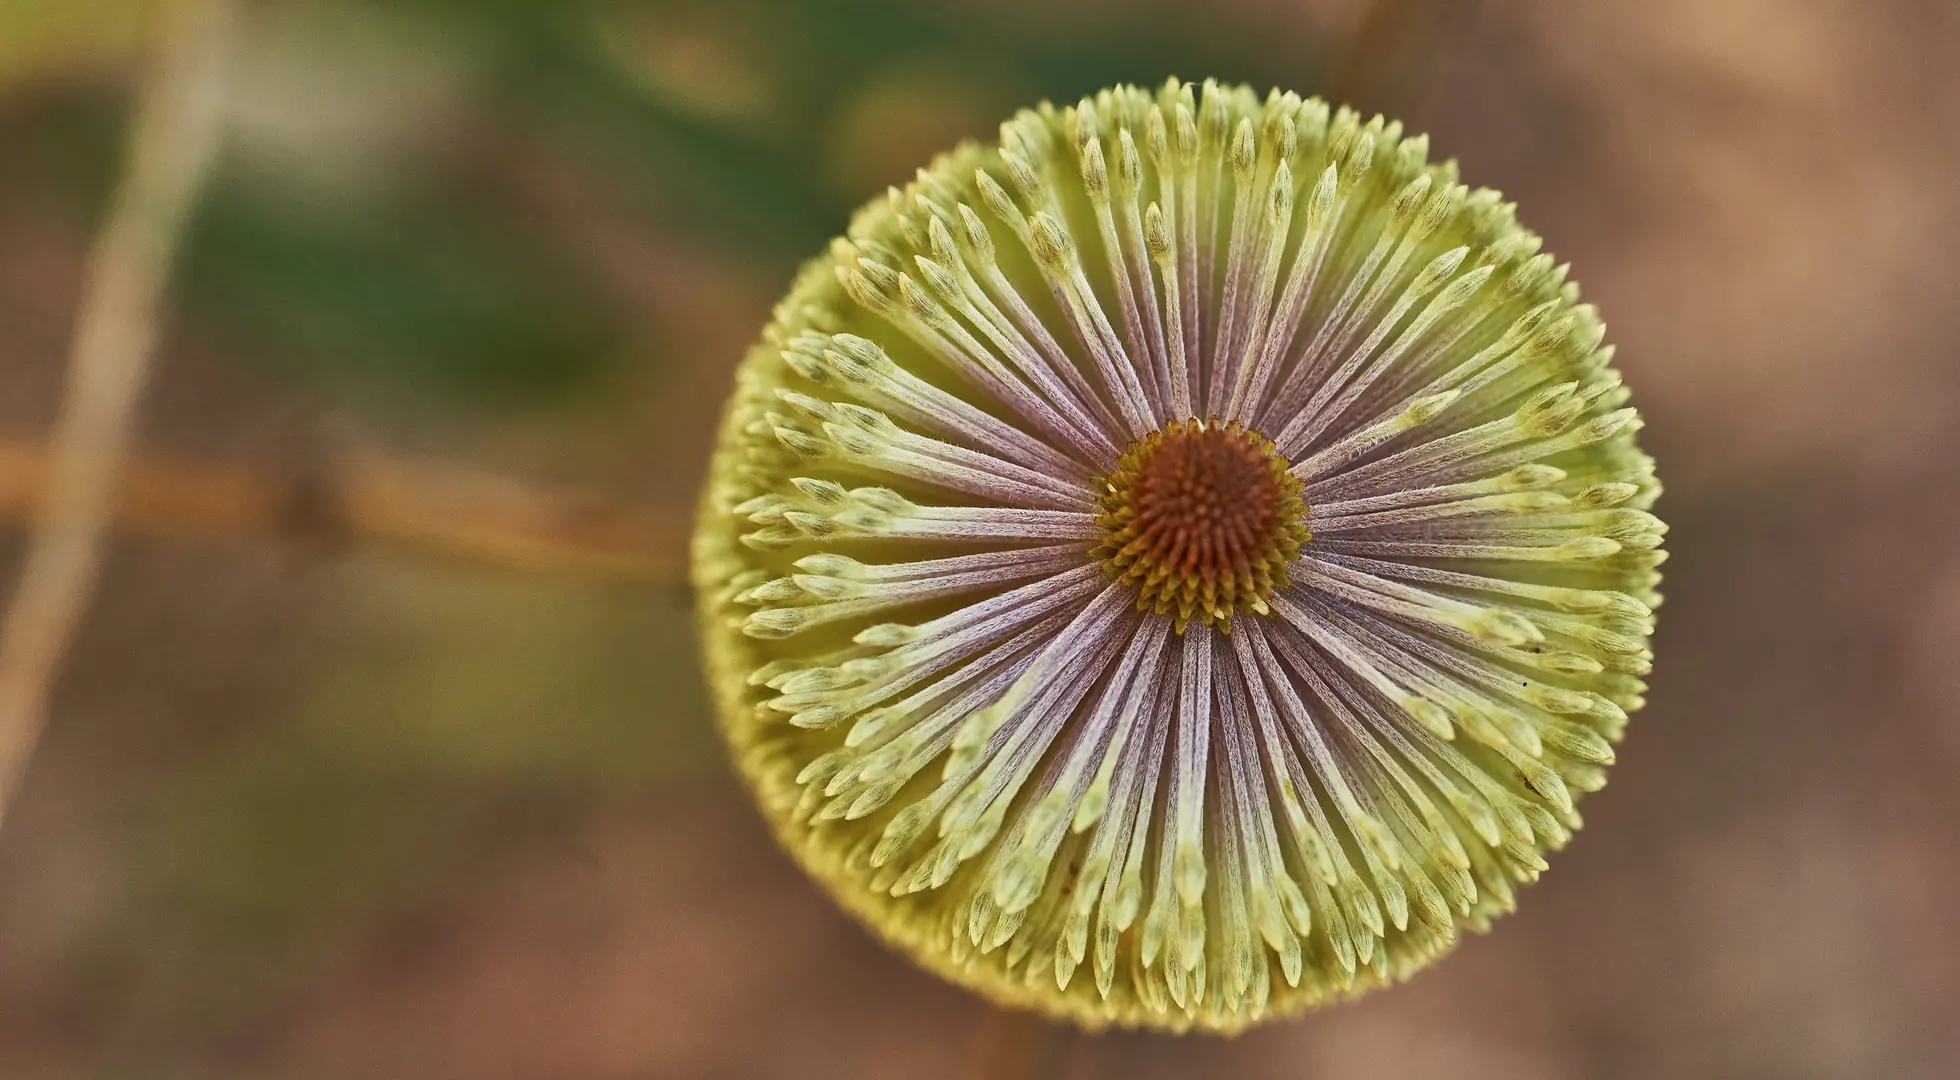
x=329, y=794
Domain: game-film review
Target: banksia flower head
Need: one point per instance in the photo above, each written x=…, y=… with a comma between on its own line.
x=1182, y=564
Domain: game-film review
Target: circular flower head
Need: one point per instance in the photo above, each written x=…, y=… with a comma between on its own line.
x=1180, y=565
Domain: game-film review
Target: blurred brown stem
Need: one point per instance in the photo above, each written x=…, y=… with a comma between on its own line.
x=1013, y=1044
x=421, y=507
x=172, y=141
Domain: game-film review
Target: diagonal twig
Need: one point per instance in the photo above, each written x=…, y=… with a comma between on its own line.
x=172, y=141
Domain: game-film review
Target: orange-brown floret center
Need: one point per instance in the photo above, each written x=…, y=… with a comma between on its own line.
x=1202, y=519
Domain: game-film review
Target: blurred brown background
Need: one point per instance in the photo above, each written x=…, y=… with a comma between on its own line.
x=368, y=795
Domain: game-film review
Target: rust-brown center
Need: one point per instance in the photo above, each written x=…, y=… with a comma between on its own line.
x=1202, y=519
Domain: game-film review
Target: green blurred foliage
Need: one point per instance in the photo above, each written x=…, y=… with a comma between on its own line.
x=423, y=293
x=430, y=727
x=440, y=285
x=754, y=125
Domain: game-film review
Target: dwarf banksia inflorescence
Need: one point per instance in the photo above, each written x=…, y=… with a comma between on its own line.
x=1182, y=564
